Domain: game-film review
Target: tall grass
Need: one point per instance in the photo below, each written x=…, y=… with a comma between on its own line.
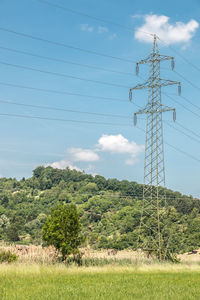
x=32, y=254
x=48, y=255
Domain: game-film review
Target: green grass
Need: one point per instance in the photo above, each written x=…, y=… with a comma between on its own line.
x=58, y=282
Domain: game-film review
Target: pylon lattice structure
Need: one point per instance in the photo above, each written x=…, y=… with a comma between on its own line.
x=154, y=170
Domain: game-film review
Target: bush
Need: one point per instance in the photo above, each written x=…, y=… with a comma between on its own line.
x=7, y=256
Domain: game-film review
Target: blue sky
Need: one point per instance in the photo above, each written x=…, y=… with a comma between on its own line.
x=110, y=150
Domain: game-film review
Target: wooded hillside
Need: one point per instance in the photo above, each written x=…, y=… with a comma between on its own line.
x=110, y=209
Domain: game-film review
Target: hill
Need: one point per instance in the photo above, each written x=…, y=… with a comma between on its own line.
x=110, y=209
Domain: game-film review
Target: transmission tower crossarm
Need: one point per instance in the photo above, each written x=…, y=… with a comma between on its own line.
x=159, y=83
x=165, y=82
x=162, y=57
x=151, y=59
x=144, y=61
x=141, y=86
x=150, y=111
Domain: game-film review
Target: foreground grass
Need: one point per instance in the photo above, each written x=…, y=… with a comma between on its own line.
x=58, y=282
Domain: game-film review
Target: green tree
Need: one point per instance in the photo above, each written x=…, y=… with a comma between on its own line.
x=91, y=187
x=63, y=230
x=38, y=171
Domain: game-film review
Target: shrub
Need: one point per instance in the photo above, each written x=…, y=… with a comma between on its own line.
x=7, y=256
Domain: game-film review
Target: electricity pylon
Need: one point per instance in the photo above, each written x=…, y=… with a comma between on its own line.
x=154, y=170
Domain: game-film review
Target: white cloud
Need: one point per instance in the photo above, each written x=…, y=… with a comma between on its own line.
x=79, y=154
x=98, y=29
x=136, y=16
x=102, y=29
x=86, y=27
x=115, y=144
x=75, y=155
x=112, y=36
x=62, y=164
x=91, y=170
x=120, y=145
x=131, y=161
x=170, y=33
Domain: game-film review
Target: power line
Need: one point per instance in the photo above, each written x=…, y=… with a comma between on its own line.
x=61, y=120
x=136, y=195
x=63, y=92
x=90, y=16
x=185, y=59
x=63, y=109
x=191, y=131
x=92, y=113
x=64, y=45
x=62, y=75
x=187, y=100
x=80, y=95
x=187, y=129
x=187, y=80
x=187, y=135
x=198, y=141
x=86, y=65
x=75, y=48
x=96, y=114
x=65, y=61
x=83, y=14
x=33, y=69
x=186, y=108
x=194, y=113
x=60, y=92
x=196, y=106
x=182, y=132
x=119, y=25
x=183, y=152
x=83, y=112
x=179, y=54
x=175, y=148
x=80, y=49
x=91, y=122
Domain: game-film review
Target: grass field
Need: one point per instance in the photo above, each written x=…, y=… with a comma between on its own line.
x=25, y=282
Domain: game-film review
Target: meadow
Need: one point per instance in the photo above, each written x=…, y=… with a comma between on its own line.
x=103, y=275
x=166, y=281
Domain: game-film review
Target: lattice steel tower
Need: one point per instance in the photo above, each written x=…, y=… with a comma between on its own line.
x=154, y=170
